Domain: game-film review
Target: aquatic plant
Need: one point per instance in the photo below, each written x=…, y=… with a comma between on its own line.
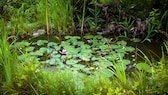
x=94, y=21
x=95, y=55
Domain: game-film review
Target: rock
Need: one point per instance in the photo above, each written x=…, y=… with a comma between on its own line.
x=39, y=32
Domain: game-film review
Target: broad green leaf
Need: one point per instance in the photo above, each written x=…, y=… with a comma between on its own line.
x=122, y=43
x=135, y=39
x=98, y=37
x=120, y=50
x=41, y=42
x=31, y=48
x=22, y=44
x=143, y=66
x=124, y=61
x=88, y=37
x=129, y=49
x=42, y=49
x=113, y=46
x=104, y=72
x=51, y=44
x=68, y=37
x=71, y=62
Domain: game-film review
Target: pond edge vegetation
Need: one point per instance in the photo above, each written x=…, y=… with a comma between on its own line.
x=85, y=64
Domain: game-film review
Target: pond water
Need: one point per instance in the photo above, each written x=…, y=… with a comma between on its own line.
x=150, y=49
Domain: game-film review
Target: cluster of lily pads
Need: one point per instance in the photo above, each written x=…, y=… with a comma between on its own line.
x=90, y=54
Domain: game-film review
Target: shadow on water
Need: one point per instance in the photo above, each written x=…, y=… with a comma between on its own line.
x=151, y=49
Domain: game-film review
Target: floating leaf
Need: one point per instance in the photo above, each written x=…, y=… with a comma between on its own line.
x=57, y=48
x=124, y=61
x=129, y=49
x=104, y=72
x=42, y=50
x=120, y=50
x=56, y=37
x=69, y=37
x=98, y=37
x=71, y=62
x=51, y=44
x=111, y=57
x=143, y=66
x=51, y=61
x=49, y=50
x=135, y=39
x=113, y=46
x=22, y=44
x=88, y=37
x=122, y=43
x=31, y=48
x=37, y=53
x=41, y=42
x=104, y=47
x=79, y=66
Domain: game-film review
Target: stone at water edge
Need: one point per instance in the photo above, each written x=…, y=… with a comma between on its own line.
x=39, y=32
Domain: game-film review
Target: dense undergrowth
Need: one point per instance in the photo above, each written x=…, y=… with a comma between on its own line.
x=86, y=64
x=143, y=19
x=73, y=67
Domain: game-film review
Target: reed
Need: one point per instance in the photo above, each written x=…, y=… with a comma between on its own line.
x=7, y=59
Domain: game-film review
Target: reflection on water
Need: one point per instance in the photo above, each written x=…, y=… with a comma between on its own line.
x=151, y=49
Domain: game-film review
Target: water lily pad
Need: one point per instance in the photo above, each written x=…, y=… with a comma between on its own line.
x=57, y=48
x=124, y=61
x=104, y=47
x=120, y=55
x=111, y=57
x=51, y=44
x=69, y=37
x=102, y=63
x=122, y=43
x=31, y=48
x=129, y=49
x=80, y=43
x=105, y=40
x=120, y=50
x=98, y=37
x=72, y=41
x=135, y=39
x=71, y=62
x=37, y=53
x=104, y=72
x=79, y=66
x=41, y=42
x=42, y=49
x=51, y=61
x=49, y=50
x=143, y=66
x=22, y=44
x=113, y=46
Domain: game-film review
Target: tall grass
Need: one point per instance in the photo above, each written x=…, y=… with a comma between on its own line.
x=56, y=14
x=83, y=15
x=7, y=59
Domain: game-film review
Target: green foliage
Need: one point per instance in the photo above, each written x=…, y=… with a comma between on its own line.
x=78, y=55
x=59, y=14
x=94, y=21
x=127, y=25
x=6, y=58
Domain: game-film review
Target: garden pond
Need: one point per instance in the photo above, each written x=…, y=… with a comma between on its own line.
x=88, y=54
